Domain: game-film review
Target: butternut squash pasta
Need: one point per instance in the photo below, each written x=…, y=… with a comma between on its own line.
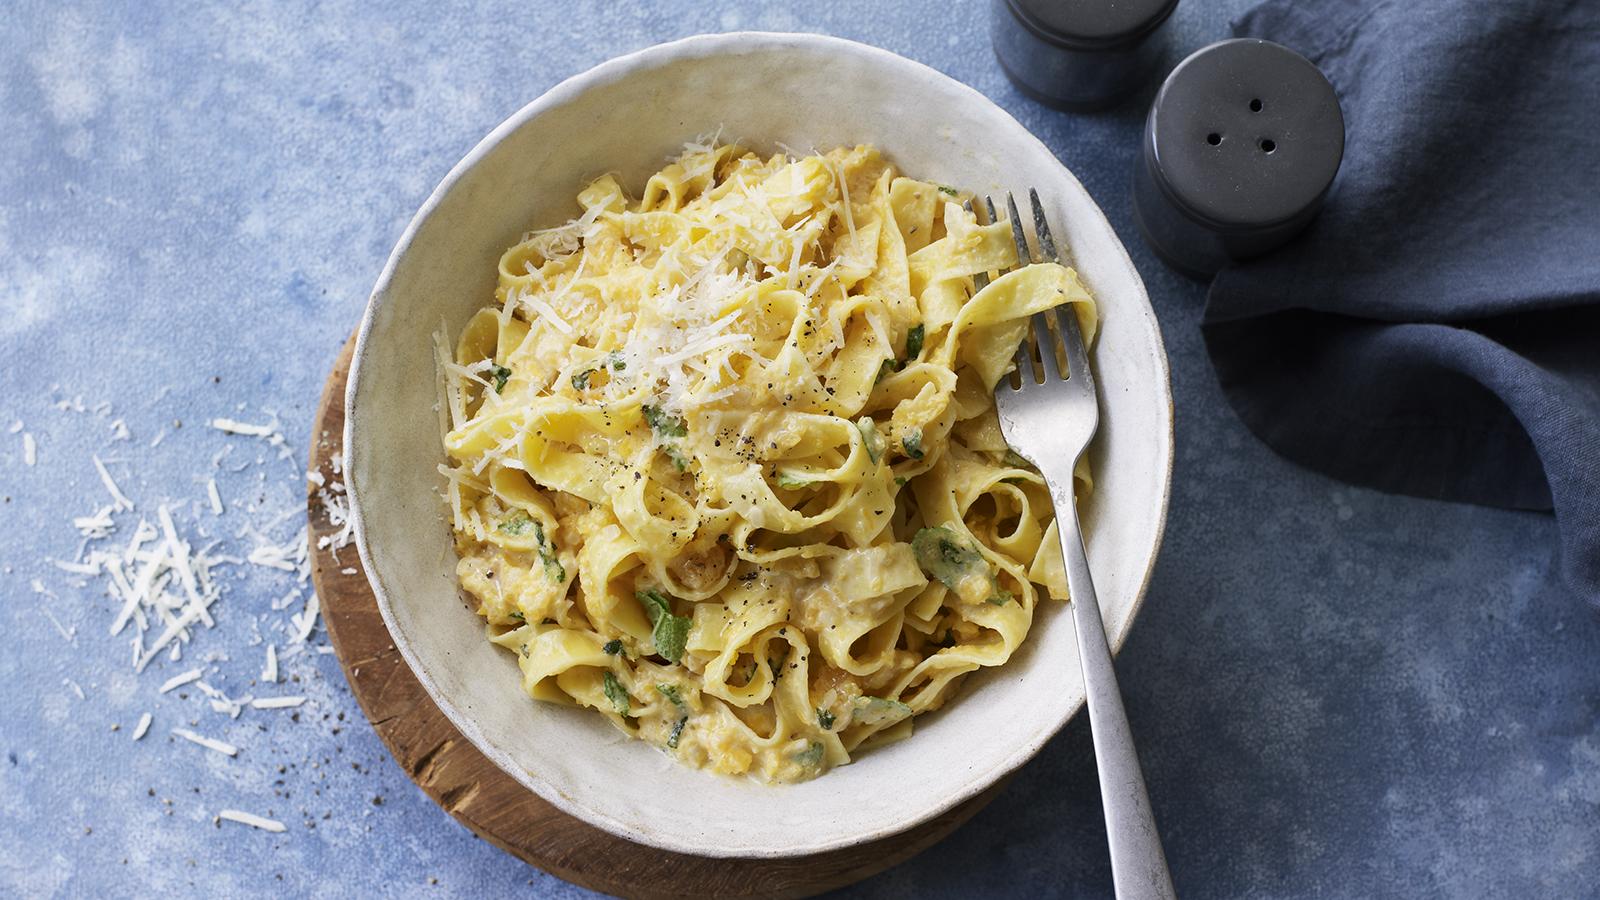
x=723, y=462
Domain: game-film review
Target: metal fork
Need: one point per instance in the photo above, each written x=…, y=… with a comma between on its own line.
x=1050, y=420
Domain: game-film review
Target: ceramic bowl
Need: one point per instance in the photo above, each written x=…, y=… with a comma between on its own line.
x=627, y=117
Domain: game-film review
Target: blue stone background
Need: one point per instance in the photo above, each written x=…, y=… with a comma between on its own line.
x=1337, y=693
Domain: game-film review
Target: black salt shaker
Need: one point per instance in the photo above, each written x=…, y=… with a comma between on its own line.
x=1079, y=55
x=1240, y=148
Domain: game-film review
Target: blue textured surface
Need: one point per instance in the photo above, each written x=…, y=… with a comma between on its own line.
x=1337, y=692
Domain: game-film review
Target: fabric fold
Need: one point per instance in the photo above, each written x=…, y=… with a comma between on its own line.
x=1436, y=331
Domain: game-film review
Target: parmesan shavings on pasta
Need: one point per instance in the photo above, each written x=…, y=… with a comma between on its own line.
x=722, y=465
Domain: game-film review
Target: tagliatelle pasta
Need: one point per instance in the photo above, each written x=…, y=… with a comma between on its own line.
x=723, y=462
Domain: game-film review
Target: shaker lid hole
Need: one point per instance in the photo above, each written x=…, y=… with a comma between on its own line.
x=1213, y=139
x=1255, y=105
x=1268, y=145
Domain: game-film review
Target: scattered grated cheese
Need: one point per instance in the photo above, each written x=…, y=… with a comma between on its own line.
x=292, y=556
x=270, y=557
x=67, y=634
x=254, y=821
x=338, y=511
x=119, y=500
x=306, y=620
x=173, y=630
x=95, y=526
x=178, y=681
x=162, y=578
x=222, y=747
x=229, y=706
x=245, y=428
x=180, y=560
x=76, y=568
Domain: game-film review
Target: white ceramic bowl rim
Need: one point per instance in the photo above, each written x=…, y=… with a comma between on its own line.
x=567, y=92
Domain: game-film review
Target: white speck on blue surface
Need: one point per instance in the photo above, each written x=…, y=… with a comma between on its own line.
x=1336, y=692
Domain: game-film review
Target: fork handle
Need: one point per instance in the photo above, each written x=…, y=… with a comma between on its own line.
x=1138, y=864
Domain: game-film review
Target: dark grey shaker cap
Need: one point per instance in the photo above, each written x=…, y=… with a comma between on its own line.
x=1092, y=24
x=1241, y=146
x=1079, y=55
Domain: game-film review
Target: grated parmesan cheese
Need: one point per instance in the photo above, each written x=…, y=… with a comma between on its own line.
x=119, y=500
x=178, y=681
x=98, y=525
x=67, y=634
x=251, y=819
x=232, y=426
x=547, y=313
x=75, y=567
x=162, y=578
x=306, y=620
x=222, y=747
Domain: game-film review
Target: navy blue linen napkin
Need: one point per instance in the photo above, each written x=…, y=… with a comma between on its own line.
x=1436, y=331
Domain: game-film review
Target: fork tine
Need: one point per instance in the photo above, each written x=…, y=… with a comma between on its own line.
x=1023, y=364
x=1024, y=256
x=1041, y=228
x=1048, y=345
x=988, y=203
x=1077, y=352
x=981, y=279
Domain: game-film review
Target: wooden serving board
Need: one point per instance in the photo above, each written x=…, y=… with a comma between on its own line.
x=485, y=799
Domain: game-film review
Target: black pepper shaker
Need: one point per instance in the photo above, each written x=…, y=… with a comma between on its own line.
x=1079, y=55
x=1241, y=147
